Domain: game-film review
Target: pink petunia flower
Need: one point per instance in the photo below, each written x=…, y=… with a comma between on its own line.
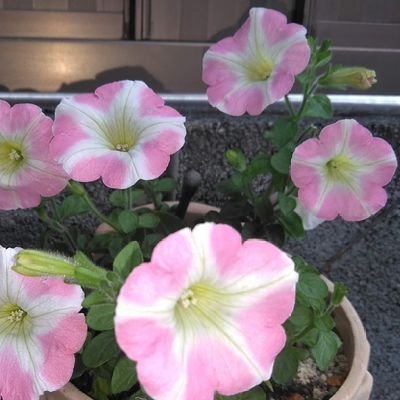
x=343, y=172
x=205, y=314
x=256, y=66
x=40, y=330
x=27, y=172
x=122, y=133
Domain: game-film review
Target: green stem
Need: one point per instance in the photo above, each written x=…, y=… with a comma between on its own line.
x=83, y=193
x=150, y=192
x=99, y=214
x=56, y=225
x=128, y=196
x=289, y=106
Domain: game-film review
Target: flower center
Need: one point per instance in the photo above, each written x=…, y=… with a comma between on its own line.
x=340, y=168
x=12, y=317
x=122, y=147
x=201, y=306
x=11, y=156
x=260, y=70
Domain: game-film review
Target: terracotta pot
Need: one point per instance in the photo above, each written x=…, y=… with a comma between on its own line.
x=357, y=385
x=68, y=392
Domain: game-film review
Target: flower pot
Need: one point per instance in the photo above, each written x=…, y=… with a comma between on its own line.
x=68, y=392
x=358, y=383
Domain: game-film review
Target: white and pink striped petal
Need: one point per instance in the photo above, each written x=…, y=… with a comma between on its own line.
x=206, y=314
x=255, y=67
x=27, y=171
x=121, y=133
x=40, y=330
x=343, y=172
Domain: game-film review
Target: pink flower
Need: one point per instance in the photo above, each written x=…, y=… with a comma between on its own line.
x=343, y=172
x=26, y=169
x=40, y=330
x=122, y=133
x=256, y=66
x=205, y=314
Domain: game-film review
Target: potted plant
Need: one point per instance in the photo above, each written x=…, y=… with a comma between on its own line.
x=185, y=305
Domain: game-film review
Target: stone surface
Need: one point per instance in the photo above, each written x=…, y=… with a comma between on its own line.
x=365, y=256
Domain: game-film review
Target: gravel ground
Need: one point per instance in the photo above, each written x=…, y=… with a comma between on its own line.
x=365, y=256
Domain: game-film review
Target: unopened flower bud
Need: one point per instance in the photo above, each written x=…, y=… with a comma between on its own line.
x=40, y=263
x=356, y=77
x=35, y=263
x=236, y=159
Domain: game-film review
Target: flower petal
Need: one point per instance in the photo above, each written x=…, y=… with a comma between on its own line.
x=38, y=345
x=189, y=310
x=342, y=172
x=121, y=133
x=255, y=67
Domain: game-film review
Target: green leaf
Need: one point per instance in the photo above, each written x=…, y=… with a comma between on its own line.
x=324, y=323
x=279, y=181
x=101, y=317
x=293, y=224
x=115, y=245
x=319, y=106
x=310, y=338
x=73, y=205
x=263, y=208
x=286, y=365
x=94, y=298
x=124, y=376
x=127, y=259
x=283, y=132
x=232, y=185
x=148, y=220
x=254, y=394
x=281, y=161
x=301, y=266
x=311, y=285
x=301, y=316
x=286, y=203
x=324, y=351
x=118, y=199
x=170, y=223
x=164, y=185
x=149, y=242
x=100, y=349
x=339, y=292
x=128, y=221
x=140, y=395
x=259, y=165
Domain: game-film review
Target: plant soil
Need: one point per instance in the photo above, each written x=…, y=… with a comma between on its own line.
x=313, y=384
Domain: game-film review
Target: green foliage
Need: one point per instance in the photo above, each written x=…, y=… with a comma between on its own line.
x=124, y=376
x=286, y=365
x=324, y=351
x=339, y=292
x=127, y=259
x=319, y=106
x=283, y=132
x=100, y=349
x=101, y=317
x=292, y=223
x=128, y=221
x=254, y=394
x=71, y=206
x=148, y=220
x=311, y=326
x=280, y=161
x=164, y=185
